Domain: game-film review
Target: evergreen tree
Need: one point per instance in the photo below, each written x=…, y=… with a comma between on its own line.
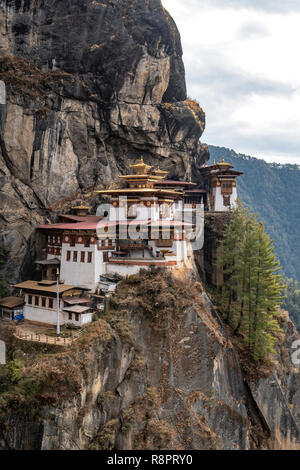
x=252, y=287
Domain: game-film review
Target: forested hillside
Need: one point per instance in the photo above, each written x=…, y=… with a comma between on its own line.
x=273, y=192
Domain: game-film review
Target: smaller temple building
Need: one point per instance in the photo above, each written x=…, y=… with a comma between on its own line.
x=10, y=307
x=221, y=186
x=41, y=303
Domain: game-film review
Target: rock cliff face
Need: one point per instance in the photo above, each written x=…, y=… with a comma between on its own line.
x=91, y=85
x=158, y=372
x=163, y=378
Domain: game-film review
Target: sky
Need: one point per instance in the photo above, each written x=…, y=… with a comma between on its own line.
x=242, y=65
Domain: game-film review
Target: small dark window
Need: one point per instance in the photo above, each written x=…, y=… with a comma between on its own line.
x=30, y=299
x=68, y=255
x=90, y=256
x=50, y=303
x=73, y=240
x=70, y=316
x=77, y=316
x=75, y=256
x=36, y=301
x=82, y=256
x=43, y=301
x=87, y=242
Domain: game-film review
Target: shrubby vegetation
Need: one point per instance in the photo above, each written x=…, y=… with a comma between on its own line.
x=252, y=289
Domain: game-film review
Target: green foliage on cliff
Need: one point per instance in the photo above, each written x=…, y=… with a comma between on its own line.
x=273, y=192
x=252, y=287
x=291, y=301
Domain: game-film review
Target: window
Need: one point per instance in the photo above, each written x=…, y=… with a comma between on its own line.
x=68, y=255
x=30, y=299
x=77, y=316
x=70, y=316
x=50, y=303
x=75, y=256
x=73, y=239
x=90, y=257
x=43, y=301
x=87, y=242
x=82, y=257
x=36, y=301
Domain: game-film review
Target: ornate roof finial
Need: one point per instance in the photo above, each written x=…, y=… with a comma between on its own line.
x=141, y=168
x=224, y=163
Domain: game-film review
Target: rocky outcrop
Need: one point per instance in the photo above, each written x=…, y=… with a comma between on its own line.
x=91, y=86
x=159, y=373
x=277, y=394
x=155, y=381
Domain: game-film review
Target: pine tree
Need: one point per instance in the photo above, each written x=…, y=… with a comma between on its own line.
x=268, y=296
x=229, y=260
x=251, y=292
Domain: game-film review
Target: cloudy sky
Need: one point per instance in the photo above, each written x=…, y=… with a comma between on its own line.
x=243, y=66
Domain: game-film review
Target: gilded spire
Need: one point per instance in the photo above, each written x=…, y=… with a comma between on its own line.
x=224, y=163
x=141, y=168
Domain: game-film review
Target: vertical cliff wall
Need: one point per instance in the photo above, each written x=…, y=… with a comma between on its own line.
x=158, y=371
x=91, y=85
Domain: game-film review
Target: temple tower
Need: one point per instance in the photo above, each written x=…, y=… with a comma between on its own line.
x=222, y=186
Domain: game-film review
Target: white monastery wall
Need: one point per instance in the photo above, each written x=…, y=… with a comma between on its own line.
x=78, y=273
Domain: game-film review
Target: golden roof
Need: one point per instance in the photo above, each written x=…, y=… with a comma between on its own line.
x=224, y=163
x=147, y=177
x=138, y=190
x=160, y=172
x=81, y=206
x=141, y=168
